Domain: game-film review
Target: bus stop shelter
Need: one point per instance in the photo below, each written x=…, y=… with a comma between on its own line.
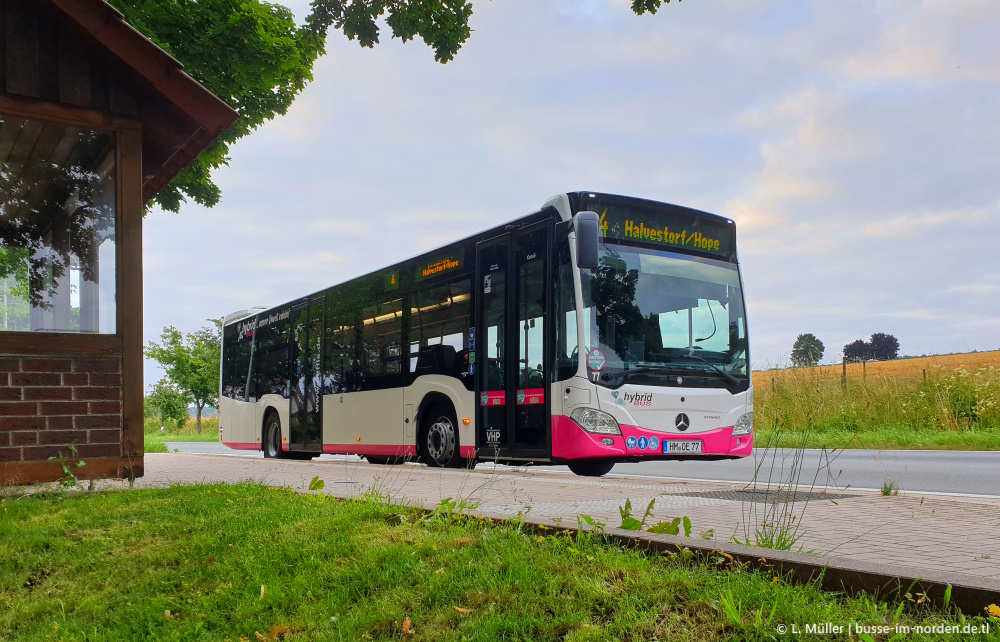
x=94, y=120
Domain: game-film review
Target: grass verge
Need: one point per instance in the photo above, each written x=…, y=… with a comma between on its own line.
x=154, y=446
x=211, y=562
x=165, y=437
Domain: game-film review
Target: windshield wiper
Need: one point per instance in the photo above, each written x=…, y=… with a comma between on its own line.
x=730, y=379
x=623, y=375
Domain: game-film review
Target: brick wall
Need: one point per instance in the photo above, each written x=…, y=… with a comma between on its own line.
x=46, y=404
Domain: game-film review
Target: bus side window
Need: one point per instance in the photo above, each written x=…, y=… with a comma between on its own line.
x=228, y=346
x=439, y=329
x=382, y=338
x=564, y=315
x=339, y=344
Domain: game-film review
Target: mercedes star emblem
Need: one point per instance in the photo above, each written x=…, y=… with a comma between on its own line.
x=682, y=422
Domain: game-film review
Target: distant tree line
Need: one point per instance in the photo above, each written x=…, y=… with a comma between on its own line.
x=880, y=347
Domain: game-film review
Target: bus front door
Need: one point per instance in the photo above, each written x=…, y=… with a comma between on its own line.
x=305, y=430
x=512, y=368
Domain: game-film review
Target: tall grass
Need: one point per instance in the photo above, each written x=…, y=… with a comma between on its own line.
x=183, y=431
x=958, y=405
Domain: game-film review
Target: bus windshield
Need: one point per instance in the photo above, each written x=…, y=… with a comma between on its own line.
x=665, y=313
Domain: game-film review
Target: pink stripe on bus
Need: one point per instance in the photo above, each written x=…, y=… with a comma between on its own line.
x=385, y=450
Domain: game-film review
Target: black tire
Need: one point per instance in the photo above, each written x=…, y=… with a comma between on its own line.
x=385, y=461
x=438, y=441
x=591, y=468
x=270, y=442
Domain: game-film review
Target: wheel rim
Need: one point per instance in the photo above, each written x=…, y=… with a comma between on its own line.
x=272, y=440
x=441, y=440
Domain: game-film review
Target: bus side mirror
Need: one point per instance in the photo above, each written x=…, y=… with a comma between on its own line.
x=587, y=234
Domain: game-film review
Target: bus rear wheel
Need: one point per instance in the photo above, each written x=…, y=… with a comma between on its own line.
x=591, y=468
x=271, y=443
x=439, y=439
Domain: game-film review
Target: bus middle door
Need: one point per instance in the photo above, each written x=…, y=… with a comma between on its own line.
x=305, y=430
x=511, y=360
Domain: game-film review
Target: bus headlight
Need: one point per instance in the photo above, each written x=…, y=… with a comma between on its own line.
x=596, y=421
x=744, y=425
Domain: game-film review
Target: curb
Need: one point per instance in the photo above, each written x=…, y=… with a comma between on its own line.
x=969, y=593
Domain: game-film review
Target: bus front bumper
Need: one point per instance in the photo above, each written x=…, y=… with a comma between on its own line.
x=570, y=441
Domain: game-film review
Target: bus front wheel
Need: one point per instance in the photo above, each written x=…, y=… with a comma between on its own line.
x=271, y=443
x=439, y=439
x=591, y=468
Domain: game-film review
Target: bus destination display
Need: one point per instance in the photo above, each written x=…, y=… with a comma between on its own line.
x=664, y=228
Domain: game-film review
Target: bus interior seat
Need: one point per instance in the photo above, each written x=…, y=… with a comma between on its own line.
x=437, y=357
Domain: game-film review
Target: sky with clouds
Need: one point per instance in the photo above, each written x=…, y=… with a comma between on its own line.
x=856, y=144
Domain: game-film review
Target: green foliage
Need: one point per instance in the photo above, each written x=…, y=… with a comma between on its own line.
x=807, y=350
x=317, y=484
x=642, y=6
x=630, y=523
x=69, y=480
x=165, y=402
x=192, y=362
x=884, y=346
x=672, y=527
x=14, y=287
x=881, y=347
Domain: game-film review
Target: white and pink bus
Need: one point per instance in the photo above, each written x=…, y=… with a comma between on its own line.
x=599, y=329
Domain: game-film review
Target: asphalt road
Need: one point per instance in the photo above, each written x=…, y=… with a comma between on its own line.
x=914, y=471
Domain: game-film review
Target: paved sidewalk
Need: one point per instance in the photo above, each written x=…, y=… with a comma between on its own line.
x=932, y=532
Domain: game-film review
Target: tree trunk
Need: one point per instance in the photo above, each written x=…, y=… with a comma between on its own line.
x=200, y=406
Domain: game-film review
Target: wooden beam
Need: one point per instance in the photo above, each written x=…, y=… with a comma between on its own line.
x=48, y=344
x=28, y=108
x=129, y=254
x=29, y=472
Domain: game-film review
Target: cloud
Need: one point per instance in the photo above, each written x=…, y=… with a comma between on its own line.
x=910, y=225
x=944, y=41
x=975, y=289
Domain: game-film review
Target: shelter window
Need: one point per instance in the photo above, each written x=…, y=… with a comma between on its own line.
x=57, y=228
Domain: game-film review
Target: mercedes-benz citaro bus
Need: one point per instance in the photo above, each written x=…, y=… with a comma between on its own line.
x=599, y=329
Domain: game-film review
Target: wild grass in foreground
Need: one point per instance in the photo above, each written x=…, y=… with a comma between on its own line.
x=247, y=561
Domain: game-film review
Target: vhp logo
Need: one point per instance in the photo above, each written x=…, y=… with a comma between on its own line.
x=682, y=422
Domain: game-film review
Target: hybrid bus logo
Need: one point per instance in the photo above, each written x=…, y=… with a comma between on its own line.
x=637, y=398
x=246, y=329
